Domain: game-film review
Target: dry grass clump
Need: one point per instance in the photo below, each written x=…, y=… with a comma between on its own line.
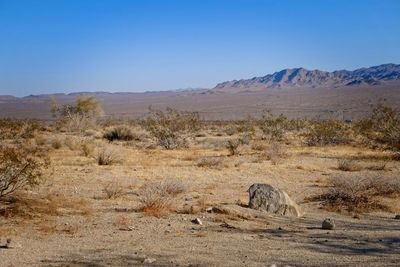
x=348, y=165
x=30, y=205
x=157, y=198
x=359, y=194
x=108, y=155
x=210, y=162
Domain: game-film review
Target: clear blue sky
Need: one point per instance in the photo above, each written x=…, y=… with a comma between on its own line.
x=49, y=46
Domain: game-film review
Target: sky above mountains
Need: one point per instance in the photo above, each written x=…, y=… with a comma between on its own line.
x=103, y=45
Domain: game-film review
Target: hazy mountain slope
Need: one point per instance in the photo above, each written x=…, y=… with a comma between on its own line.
x=300, y=77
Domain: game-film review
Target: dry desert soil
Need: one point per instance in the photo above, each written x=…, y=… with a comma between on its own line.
x=75, y=223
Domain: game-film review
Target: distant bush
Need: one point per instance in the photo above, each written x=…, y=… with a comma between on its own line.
x=87, y=149
x=20, y=166
x=276, y=152
x=383, y=127
x=121, y=132
x=348, y=165
x=209, y=162
x=233, y=146
x=56, y=143
x=274, y=128
x=171, y=126
x=328, y=132
x=79, y=116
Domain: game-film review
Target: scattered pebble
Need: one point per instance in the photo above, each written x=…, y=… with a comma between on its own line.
x=197, y=221
x=149, y=260
x=328, y=224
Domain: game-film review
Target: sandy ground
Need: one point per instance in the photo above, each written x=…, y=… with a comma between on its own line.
x=111, y=232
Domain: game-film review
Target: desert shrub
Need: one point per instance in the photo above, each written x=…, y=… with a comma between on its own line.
x=258, y=146
x=71, y=143
x=209, y=162
x=107, y=156
x=383, y=127
x=233, y=146
x=348, y=165
x=20, y=166
x=328, y=132
x=79, y=116
x=273, y=127
x=56, y=143
x=87, y=149
x=157, y=198
x=359, y=194
x=169, y=127
x=245, y=139
x=113, y=190
x=247, y=126
x=121, y=132
x=276, y=153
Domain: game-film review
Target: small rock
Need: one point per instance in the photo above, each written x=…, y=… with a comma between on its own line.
x=149, y=260
x=328, y=224
x=397, y=217
x=197, y=221
x=209, y=209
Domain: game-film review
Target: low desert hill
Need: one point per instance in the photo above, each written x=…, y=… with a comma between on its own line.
x=294, y=92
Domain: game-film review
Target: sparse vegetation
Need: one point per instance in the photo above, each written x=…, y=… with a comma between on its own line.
x=382, y=127
x=170, y=127
x=359, y=194
x=328, y=132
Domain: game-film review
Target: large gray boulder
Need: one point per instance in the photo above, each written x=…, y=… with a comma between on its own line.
x=273, y=200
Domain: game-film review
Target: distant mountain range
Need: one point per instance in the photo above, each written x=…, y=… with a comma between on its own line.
x=300, y=77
